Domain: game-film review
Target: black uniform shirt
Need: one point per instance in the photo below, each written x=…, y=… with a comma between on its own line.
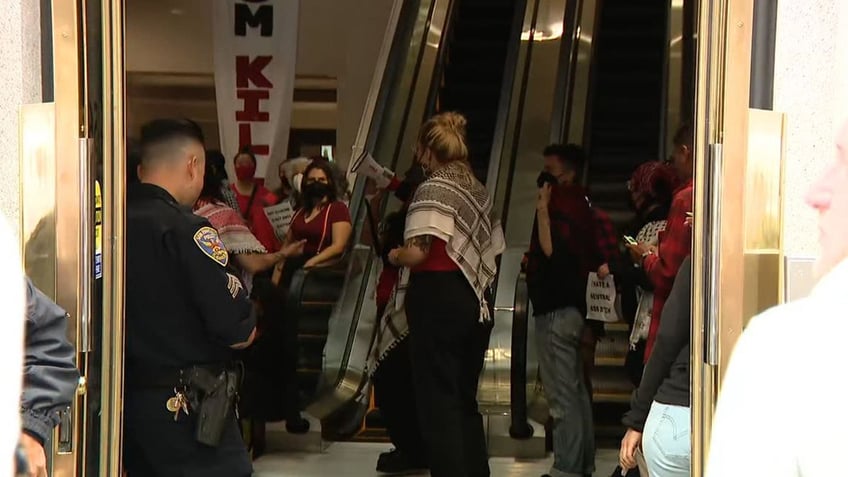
x=182, y=307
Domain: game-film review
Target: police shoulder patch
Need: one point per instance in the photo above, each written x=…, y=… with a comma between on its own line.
x=210, y=244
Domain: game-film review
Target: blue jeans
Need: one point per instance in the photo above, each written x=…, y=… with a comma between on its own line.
x=666, y=441
x=558, y=345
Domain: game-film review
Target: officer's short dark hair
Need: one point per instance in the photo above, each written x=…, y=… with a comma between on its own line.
x=159, y=135
x=571, y=155
x=214, y=176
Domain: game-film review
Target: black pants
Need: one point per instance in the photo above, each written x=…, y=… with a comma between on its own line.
x=270, y=391
x=157, y=446
x=448, y=344
x=394, y=392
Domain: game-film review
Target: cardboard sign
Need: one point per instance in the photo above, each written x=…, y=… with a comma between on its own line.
x=280, y=216
x=600, y=299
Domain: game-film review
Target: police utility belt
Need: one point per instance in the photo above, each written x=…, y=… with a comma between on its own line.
x=208, y=392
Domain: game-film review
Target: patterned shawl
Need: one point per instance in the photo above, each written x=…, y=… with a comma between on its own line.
x=233, y=231
x=230, y=226
x=454, y=206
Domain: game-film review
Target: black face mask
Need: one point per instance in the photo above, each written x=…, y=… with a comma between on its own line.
x=316, y=190
x=546, y=178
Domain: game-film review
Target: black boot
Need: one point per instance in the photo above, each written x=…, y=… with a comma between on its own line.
x=297, y=425
x=396, y=462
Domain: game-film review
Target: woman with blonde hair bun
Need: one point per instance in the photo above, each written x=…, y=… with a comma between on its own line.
x=448, y=260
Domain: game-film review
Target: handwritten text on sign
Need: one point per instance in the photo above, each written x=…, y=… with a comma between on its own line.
x=600, y=299
x=280, y=216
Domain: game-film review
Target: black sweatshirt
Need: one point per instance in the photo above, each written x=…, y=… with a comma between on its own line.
x=666, y=376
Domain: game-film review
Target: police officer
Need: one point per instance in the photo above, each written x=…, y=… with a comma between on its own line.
x=183, y=312
x=50, y=376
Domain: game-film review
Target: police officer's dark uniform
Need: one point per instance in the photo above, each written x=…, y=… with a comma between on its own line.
x=50, y=371
x=182, y=310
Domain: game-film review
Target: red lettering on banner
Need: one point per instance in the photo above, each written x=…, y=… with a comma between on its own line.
x=246, y=140
x=250, y=109
x=248, y=70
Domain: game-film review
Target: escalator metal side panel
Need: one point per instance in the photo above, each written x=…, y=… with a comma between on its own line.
x=353, y=322
x=494, y=392
x=349, y=340
x=529, y=127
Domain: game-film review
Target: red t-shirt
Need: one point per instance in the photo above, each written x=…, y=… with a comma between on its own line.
x=318, y=232
x=437, y=260
x=675, y=244
x=256, y=219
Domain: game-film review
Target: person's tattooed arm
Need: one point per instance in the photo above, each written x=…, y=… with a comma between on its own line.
x=414, y=251
x=422, y=243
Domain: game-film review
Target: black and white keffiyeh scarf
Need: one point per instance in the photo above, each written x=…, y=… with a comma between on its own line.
x=451, y=205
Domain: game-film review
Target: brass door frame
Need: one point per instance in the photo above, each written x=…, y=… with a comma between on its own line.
x=69, y=214
x=721, y=142
x=74, y=216
x=114, y=180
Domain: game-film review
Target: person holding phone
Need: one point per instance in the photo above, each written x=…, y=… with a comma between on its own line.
x=675, y=242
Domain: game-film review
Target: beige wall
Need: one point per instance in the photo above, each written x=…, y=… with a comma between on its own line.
x=337, y=39
x=20, y=83
x=811, y=86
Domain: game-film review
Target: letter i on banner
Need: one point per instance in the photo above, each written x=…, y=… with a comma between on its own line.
x=255, y=59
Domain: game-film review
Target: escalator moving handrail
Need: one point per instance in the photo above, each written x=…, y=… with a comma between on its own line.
x=519, y=427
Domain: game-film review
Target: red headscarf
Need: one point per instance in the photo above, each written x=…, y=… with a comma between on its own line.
x=654, y=181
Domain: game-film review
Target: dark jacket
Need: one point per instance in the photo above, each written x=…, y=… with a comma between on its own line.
x=666, y=376
x=559, y=281
x=50, y=372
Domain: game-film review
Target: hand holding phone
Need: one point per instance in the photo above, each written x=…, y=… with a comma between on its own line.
x=630, y=240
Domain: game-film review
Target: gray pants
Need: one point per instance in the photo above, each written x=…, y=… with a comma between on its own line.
x=558, y=345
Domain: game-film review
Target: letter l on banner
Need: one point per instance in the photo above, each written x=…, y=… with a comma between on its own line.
x=255, y=59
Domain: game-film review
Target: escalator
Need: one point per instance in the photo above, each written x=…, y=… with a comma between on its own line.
x=626, y=126
x=438, y=55
x=474, y=71
x=496, y=62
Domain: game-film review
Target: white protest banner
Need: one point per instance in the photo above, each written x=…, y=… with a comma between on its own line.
x=600, y=299
x=280, y=216
x=368, y=166
x=255, y=54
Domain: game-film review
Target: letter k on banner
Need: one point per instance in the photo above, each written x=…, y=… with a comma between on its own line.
x=255, y=55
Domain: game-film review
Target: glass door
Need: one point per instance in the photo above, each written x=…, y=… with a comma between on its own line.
x=721, y=148
x=71, y=227
x=57, y=214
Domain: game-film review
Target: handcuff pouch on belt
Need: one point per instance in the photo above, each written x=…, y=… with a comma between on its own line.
x=212, y=396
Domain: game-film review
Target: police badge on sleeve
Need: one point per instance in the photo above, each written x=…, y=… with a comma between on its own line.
x=210, y=244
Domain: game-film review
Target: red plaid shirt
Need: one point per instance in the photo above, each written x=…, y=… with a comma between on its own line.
x=675, y=244
x=606, y=236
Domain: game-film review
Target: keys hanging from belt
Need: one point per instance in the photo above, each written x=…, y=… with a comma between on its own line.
x=178, y=402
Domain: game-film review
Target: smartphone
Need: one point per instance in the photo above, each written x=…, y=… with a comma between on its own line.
x=690, y=214
x=630, y=240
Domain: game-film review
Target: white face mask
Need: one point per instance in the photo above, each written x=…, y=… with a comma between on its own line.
x=297, y=180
